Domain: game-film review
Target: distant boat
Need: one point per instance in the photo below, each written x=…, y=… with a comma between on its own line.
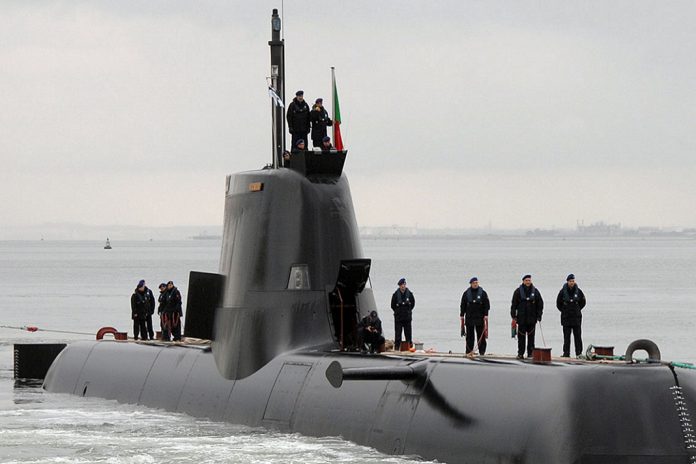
x=108, y=244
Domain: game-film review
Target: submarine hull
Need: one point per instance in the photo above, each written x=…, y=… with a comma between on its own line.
x=461, y=410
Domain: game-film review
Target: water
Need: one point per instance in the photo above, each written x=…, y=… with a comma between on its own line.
x=635, y=289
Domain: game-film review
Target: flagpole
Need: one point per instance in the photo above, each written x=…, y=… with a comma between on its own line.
x=337, y=138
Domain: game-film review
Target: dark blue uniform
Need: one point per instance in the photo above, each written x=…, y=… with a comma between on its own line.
x=474, y=308
x=527, y=307
x=570, y=302
x=142, y=306
x=171, y=315
x=402, y=303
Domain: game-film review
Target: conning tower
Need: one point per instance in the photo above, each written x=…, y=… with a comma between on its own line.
x=291, y=253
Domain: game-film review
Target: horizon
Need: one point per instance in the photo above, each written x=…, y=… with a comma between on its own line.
x=86, y=232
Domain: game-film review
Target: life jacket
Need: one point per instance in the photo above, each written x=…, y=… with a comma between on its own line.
x=523, y=295
x=404, y=298
x=571, y=298
x=142, y=298
x=471, y=299
x=475, y=311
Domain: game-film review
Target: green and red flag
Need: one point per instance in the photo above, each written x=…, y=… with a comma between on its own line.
x=337, y=139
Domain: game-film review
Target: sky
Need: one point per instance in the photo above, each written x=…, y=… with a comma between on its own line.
x=456, y=113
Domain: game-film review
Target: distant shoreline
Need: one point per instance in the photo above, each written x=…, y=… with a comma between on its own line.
x=376, y=237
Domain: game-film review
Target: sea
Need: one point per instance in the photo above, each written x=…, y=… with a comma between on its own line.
x=636, y=288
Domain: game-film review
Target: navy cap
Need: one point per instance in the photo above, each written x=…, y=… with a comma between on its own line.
x=170, y=282
x=402, y=281
x=299, y=93
x=527, y=276
x=326, y=139
x=570, y=277
x=319, y=100
x=141, y=283
x=299, y=142
x=162, y=285
x=473, y=279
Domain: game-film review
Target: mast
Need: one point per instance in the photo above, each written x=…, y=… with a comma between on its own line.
x=278, y=84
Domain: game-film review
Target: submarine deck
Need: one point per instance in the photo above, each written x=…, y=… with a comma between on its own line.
x=206, y=345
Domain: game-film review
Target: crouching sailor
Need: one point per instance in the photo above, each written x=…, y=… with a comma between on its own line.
x=473, y=312
x=172, y=313
x=370, y=332
x=570, y=302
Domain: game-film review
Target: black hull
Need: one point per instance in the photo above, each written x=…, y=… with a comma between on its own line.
x=464, y=410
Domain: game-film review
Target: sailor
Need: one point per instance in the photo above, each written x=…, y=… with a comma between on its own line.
x=320, y=120
x=150, y=312
x=298, y=118
x=526, y=310
x=142, y=306
x=286, y=158
x=370, y=332
x=326, y=144
x=402, y=303
x=171, y=316
x=299, y=146
x=473, y=312
x=570, y=301
x=161, y=303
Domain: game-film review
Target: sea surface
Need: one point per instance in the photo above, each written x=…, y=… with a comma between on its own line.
x=635, y=287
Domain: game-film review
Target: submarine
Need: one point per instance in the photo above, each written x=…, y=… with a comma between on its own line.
x=271, y=343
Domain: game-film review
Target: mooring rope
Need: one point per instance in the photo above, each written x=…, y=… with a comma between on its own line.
x=31, y=328
x=542, y=334
x=590, y=355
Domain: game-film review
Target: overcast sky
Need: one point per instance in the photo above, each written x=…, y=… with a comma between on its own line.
x=455, y=113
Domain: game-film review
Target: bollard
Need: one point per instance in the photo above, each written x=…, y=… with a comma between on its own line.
x=541, y=355
x=604, y=350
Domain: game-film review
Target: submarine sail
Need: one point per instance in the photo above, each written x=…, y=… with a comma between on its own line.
x=285, y=304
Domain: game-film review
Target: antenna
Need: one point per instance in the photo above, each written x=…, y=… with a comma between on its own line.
x=278, y=86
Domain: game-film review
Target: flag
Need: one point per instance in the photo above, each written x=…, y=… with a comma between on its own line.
x=337, y=140
x=272, y=93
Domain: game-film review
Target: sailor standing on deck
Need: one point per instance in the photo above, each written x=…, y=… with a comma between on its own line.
x=320, y=120
x=161, y=303
x=150, y=312
x=298, y=118
x=526, y=310
x=142, y=303
x=570, y=302
x=171, y=317
x=473, y=312
x=402, y=303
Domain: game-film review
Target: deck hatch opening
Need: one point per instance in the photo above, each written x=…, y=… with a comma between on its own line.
x=343, y=302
